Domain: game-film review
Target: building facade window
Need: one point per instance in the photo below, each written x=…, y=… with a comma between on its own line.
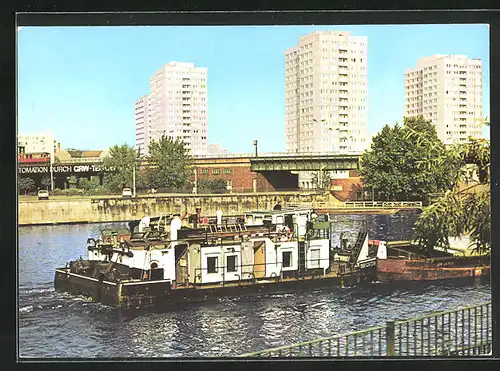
x=204, y=171
x=228, y=171
x=216, y=171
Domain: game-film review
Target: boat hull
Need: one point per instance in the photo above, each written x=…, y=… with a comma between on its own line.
x=159, y=293
x=432, y=269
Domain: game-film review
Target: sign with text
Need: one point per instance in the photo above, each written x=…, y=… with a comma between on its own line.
x=64, y=169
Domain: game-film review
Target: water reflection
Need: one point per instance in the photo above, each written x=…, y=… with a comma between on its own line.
x=59, y=325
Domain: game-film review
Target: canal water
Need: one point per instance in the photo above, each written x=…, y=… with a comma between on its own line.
x=58, y=325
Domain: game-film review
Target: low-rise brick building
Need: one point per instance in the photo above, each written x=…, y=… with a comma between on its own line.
x=349, y=189
x=235, y=171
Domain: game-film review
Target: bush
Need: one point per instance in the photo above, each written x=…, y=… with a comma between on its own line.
x=57, y=192
x=26, y=185
x=217, y=186
x=68, y=192
x=99, y=191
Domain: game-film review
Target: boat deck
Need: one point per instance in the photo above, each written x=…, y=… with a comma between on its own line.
x=251, y=282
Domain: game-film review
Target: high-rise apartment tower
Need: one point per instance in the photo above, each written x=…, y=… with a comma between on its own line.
x=326, y=81
x=176, y=106
x=447, y=90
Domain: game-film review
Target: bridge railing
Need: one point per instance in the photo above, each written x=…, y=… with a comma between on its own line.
x=235, y=155
x=389, y=204
x=279, y=154
x=463, y=332
x=361, y=205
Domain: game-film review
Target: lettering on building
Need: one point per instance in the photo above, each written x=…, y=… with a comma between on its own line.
x=65, y=169
x=33, y=170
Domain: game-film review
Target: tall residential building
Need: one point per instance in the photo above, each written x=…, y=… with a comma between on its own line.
x=447, y=90
x=176, y=107
x=37, y=142
x=326, y=81
x=142, y=123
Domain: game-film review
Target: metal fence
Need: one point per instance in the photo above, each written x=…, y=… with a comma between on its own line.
x=389, y=204
x=462, y=332
x=362, y=204
x=466, y=331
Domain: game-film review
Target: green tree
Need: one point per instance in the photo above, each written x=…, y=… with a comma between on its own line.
x=392, y=167
x=169, y=163
x=46, y=182
x=26, y=184
x=122, y=159
x=464, y=209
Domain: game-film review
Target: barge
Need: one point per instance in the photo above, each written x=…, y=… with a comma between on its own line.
x=266, y=252
x=406, y=262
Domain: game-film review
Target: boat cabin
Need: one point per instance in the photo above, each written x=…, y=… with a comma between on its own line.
x=292, y=219
x=271, y=244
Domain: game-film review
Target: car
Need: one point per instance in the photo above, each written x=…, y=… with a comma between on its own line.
x=127, y=192
x=43, y=194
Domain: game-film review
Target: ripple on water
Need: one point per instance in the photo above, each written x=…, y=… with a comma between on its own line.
x=53, y=324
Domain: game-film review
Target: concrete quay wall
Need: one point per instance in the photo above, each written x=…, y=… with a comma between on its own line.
x=117, y=209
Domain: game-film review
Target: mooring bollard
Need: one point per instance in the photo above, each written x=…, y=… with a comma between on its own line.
x=389, y=336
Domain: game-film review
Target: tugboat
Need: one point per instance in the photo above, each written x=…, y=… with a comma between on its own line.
x=165, y=262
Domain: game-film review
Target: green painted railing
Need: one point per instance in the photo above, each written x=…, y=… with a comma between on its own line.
x=362, y=205
x=465, y=331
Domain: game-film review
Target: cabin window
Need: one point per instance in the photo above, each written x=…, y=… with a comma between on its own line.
x=231, y=263
x=314, y=258
x=212, y=263
x=287, y=259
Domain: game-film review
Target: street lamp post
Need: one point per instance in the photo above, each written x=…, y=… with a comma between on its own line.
x=255, y=146
x=133, y=177
x=133, y=169
x=195, y=188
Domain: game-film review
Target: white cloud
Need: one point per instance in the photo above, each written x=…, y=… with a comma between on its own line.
x=19, y=28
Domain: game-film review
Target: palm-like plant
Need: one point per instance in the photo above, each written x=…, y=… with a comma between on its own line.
x=460, y=210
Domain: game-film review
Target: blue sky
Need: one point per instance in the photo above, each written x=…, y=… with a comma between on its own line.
x=81, y=83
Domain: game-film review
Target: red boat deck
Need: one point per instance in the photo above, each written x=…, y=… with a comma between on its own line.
x=432, y=269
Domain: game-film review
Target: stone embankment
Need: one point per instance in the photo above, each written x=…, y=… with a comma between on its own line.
x=117, y=209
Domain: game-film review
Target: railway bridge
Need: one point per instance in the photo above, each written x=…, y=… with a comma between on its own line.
x=272, y=171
